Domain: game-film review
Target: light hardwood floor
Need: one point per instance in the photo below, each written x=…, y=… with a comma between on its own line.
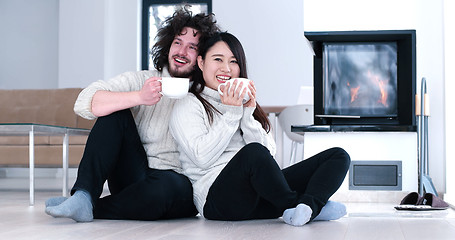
x=369, y=221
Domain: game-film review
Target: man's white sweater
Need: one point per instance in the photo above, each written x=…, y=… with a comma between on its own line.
x=206, y=148
x=152, y=121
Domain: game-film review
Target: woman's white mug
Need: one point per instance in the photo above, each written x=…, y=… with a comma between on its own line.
x=172, y=87
x=246, y=83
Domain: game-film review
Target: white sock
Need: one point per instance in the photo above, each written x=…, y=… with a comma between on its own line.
x=331, y=211
x=78, y=207
x=297, y=216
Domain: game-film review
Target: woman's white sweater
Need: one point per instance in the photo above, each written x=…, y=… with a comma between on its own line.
x=206, y=148
x=152, y=121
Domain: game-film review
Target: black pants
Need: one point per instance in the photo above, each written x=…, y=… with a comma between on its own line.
x=252, y=186
x=114, y=152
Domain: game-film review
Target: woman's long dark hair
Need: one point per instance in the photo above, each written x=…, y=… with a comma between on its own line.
x=199, y=84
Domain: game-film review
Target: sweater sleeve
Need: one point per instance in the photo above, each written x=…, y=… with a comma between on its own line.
x=203, y=143
x=129, y=81
x=253, y=131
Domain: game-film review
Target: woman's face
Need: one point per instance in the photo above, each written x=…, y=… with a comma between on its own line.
x=219, y=65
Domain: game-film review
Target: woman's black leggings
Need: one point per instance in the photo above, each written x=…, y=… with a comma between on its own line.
x=114, y=152
x=252, y=186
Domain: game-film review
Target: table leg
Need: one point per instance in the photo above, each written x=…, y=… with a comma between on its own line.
x=65, y=165
x=280, y=143
x=278, y=136
x=31, y=154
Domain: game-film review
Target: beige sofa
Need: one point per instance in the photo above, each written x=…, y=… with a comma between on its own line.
x=41, y=106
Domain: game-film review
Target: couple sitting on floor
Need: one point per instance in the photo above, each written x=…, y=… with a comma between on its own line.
x=210, y=152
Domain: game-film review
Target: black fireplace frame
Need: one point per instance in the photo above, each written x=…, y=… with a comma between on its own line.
x=406, y=78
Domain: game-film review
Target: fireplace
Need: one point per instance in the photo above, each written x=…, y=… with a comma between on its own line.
x=364, y=79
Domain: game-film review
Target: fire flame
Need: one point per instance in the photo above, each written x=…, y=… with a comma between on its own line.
x=382, y=84
x=354, y=93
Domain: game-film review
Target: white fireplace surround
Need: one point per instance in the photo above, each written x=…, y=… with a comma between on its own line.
x=371, y=146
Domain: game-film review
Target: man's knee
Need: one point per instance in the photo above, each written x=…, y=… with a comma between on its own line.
x=122, y=114
x=119, y=119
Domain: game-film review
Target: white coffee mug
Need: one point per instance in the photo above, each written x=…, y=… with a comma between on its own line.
x=246, y=83
x=172, y=87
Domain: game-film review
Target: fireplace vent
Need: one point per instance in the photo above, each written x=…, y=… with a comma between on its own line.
x=375, y=175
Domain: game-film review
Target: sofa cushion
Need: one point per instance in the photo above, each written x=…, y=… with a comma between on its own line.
x=45, y=156
x=41, y=140
x=58, y=140
x=22, y=140
x=42, y=106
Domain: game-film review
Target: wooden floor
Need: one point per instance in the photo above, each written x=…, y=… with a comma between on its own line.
x=369, y=221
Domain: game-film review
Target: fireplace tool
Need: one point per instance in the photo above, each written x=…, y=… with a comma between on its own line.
x=423, y=112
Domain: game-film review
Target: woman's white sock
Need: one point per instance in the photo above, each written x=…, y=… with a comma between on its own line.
x=297, y=216
x=331, y=211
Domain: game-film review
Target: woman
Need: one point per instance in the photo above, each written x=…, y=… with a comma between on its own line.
x=226, y=150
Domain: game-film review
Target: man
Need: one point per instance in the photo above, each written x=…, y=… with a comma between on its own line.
x=130, y=145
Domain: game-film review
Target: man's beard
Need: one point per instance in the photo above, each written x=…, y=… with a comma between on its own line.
x=177, y=72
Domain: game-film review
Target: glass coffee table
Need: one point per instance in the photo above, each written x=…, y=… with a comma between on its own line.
x=32, y=130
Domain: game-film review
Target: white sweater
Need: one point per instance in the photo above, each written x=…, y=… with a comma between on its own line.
x=206, y=148
x=152, y=121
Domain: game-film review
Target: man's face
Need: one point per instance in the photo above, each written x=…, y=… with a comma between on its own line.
x=183, y=53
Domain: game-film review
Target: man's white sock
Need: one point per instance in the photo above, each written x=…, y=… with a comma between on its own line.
x=55, y=201
x=78, y=207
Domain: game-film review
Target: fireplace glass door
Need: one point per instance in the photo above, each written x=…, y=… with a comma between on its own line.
x=360, y=79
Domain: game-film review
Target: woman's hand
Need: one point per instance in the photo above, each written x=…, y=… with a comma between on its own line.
x=231, y=96
x=252, y=94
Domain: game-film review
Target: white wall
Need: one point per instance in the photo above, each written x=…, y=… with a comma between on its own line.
x=423, y=16
x=81, y=42
x=272, y=35
x=121, y=36
x=29, y=36
x=449, y=25
x=98, y=39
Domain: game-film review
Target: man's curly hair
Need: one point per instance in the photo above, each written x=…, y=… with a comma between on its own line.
x=205, y=24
